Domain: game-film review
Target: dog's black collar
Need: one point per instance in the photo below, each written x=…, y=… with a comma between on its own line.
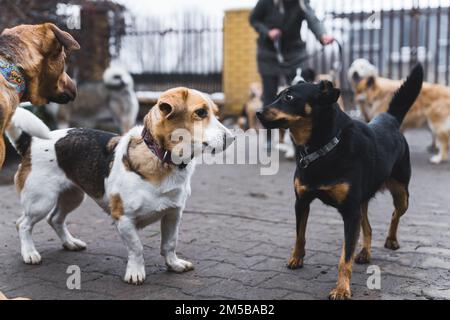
x=307, y=158
x=164, y=155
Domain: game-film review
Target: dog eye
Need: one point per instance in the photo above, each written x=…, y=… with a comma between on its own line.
x=201, y=113
x=289, y=97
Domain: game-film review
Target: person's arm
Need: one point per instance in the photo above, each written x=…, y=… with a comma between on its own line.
x=256, y=18
x=314, y=24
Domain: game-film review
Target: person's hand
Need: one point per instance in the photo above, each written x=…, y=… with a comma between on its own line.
x=326, y=39
x=274, y=34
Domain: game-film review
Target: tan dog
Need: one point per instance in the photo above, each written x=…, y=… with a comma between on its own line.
x=36, y=54
x=438, y=116
x=248, y=119
x=373, y=96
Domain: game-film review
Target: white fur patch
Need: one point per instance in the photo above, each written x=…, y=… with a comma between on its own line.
x=24, y=120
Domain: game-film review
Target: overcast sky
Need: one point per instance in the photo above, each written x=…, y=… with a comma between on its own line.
x=170, y=6
x=162, y=7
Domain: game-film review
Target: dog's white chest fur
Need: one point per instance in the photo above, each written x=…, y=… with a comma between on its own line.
x=142, y=200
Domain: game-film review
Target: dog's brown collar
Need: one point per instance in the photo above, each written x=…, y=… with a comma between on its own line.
x=164, y=155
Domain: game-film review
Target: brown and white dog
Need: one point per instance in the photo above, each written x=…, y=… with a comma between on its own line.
x=4, y=298
x=373, y=95
x=138, y=178
x=438, y=116
x=32, y=58
x=248, y=118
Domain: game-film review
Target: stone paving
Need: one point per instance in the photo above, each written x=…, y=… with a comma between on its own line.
x=238, y=230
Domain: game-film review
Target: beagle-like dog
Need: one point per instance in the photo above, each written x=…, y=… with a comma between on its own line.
x=4, y=298
x=138, y=179
x=32, y=60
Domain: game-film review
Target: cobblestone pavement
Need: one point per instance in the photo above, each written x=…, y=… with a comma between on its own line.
x=238, y=230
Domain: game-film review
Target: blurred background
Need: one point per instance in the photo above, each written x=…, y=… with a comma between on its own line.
x=210, y=46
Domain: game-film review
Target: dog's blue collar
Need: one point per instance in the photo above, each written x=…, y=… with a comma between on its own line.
x=13, y=75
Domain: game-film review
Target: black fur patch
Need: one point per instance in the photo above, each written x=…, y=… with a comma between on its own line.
x=23, y=143
x=84, y=156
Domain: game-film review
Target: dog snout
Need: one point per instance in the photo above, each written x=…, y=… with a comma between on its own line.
x=69, y=90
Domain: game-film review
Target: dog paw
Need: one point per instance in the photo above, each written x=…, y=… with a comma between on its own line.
x=135, y=274
x=74, y=245
x=31, y=257
x=295, y=263
x=340, y=294
x=436, y=159
x=363, y=257
x=391, y=244
x=180, y=266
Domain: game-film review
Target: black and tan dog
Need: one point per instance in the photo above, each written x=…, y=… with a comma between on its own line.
x=344, y=163
x=32, y=60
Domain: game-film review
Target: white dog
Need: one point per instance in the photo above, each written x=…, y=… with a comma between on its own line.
x=101, y=103
x=361, y=69
x=122, y=99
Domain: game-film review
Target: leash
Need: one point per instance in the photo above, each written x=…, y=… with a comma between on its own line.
x=13, y=75
x=307, y=158
x=282, y=61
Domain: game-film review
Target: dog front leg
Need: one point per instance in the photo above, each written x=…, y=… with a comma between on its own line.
x=135, y=273
x=2, y=151
x=169, y=237
x=352, y=220
x=301, y=215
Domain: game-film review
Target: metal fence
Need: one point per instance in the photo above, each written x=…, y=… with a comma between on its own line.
x=392, y=39
x=187, y=48
x=183, y=49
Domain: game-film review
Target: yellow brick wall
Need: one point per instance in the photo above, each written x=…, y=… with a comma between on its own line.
x=239, y=66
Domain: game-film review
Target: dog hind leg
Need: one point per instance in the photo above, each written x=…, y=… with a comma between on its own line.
x=352, y=227
x=32, y=215
x=443, y=146
x=400, y=195
x=68, y=200
x=364, y=255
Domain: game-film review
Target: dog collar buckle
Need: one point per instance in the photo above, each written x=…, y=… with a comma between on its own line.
x=304, y=163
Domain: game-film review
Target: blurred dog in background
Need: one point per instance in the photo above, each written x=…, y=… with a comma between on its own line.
x=108, y=105
x=122, y=100
x=432, y=107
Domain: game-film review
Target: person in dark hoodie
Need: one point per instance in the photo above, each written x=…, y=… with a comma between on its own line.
x=278, y=23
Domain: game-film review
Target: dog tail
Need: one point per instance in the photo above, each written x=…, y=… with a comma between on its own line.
x=23, y=126
x=405, y=96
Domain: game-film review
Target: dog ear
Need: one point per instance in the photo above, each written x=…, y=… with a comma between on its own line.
x=328, y=94
x=370, y=82
x=64, y=38
x=166, y=109
x=356, y=77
